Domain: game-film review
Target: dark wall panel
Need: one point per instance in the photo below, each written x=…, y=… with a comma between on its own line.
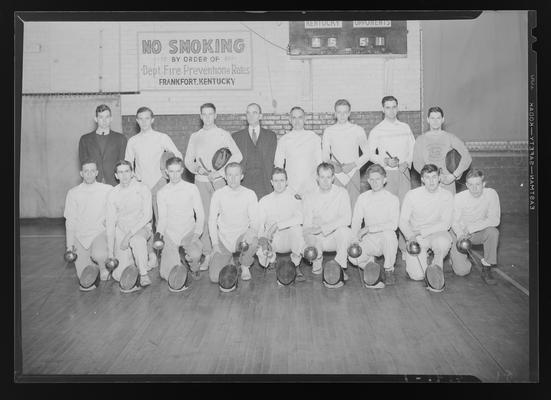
x=476, y=70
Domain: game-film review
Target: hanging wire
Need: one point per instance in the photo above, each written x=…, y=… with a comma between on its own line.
x=263, y=38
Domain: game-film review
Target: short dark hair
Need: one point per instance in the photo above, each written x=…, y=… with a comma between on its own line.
x=297, y=108
x=278, y=170
x=428, y=168
x=174, y=161
x=123, y=162
x=435, y=109
x=255, y=104
x=143, y=109
x=375, y=168
x=326, y=166
x=231, y=165
x=101, y=108
x=88, y=161
x=343, y=102
x=389, y=98
x=206, y=105
x=474, y=173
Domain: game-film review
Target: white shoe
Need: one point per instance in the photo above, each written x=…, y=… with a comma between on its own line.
x=178, y=290
x=132, y=289
x=266, y=258
x=144, y=280
x=338, y=285
x=245, y=273
x=83, y=289
x=205, y=264
x=263, y=260
x=485, y=263
x=379, y=285
x=104, y=275
x=151, y=261
x=435, y=290
x=316, y=268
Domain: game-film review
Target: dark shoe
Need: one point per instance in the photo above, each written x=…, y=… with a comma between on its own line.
x=390, y=279
x=300, y=276
x=487, y=275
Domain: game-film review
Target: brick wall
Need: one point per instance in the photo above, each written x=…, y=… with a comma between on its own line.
x=506, y=171
x=180, y=127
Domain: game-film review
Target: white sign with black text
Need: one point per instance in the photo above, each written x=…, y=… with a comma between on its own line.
x=194, y=60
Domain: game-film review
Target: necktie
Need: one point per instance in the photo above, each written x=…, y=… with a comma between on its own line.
x=254, y=136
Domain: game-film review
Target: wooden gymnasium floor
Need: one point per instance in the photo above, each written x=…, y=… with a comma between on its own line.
x=469, y=329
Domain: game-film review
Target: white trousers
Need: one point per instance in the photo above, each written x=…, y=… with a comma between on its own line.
x=290, y=239
x=96, y=253
x=440, y=243
x=136, y=253
x=171, y=254
x=337, y=241
x=378, y=244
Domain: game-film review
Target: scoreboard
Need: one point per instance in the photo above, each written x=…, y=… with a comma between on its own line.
x=337, y=38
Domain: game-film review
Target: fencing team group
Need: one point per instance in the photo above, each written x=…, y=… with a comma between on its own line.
x=299, y=195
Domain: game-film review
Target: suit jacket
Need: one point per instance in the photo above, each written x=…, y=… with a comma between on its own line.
x=88, y=148
x=265, y=146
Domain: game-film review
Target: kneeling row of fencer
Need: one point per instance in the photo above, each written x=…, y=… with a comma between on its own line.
x=280, y=222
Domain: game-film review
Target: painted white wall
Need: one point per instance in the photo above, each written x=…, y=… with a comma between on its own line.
x=72, y=56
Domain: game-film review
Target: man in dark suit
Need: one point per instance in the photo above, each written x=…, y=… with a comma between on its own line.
x=103, y=145
x=258, y=146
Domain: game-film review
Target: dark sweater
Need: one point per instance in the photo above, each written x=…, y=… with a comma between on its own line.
x=115, y=146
